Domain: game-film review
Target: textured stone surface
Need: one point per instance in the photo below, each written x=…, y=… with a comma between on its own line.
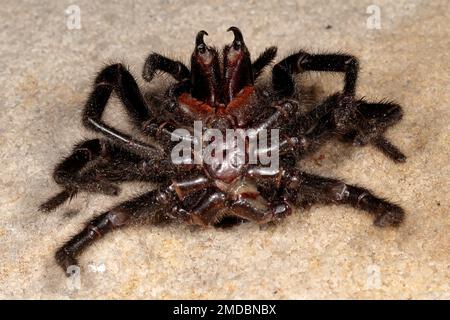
x=327, y=252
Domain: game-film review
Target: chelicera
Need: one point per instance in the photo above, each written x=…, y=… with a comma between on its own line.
x=221, y=90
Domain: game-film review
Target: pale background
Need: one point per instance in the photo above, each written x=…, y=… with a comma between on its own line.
x=326, y=252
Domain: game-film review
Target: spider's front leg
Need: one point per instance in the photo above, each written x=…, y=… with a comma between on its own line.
x=117, y=78
x=156, y=62
x=361, y=121
x=283, y=72
x=263, y=60
x=306, y=189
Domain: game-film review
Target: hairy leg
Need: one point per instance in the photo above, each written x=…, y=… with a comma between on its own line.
x=306, y=189
x=264, y=59
x=117, y=78
x=97, y=166
x=380, y=116
x=259, y=211
x=283, y=72
x=156, y=62
x=365, y=123
x=357, y=121
x=68, y=173
x=146, y=206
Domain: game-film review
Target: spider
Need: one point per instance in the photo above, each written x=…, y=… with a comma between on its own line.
x=221, y=90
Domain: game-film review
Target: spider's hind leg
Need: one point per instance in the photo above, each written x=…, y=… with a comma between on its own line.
x=142, y=207
x=307, y=189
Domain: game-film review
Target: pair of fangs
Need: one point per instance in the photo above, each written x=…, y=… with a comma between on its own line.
x=238, y=38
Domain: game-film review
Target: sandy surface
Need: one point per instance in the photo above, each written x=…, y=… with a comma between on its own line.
x=326, y=252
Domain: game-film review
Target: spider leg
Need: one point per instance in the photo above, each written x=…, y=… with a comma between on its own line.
x=282, y=114
x=362, y=123
x=116, y=77
x=307, y=189
x=156, y=62
x=215, y=206
x=353, y=120
x=357, y=120
x=163, y=204
x=380, y=116
x=390, y=150
x=284, y=71
x=259, y=210
x=67, y=174
x=96, y=166
x=302, y=134
x=264, y=59
x=210, y=209
x=145, y=206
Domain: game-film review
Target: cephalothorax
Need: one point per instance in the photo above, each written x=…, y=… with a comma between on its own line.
x=219, y=90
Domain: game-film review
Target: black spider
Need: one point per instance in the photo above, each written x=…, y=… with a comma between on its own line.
x=220, y=91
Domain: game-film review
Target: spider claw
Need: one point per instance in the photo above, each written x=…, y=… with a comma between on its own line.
x=199, y=38
x=57, y=200
x=237, y=34
x=393, y=217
